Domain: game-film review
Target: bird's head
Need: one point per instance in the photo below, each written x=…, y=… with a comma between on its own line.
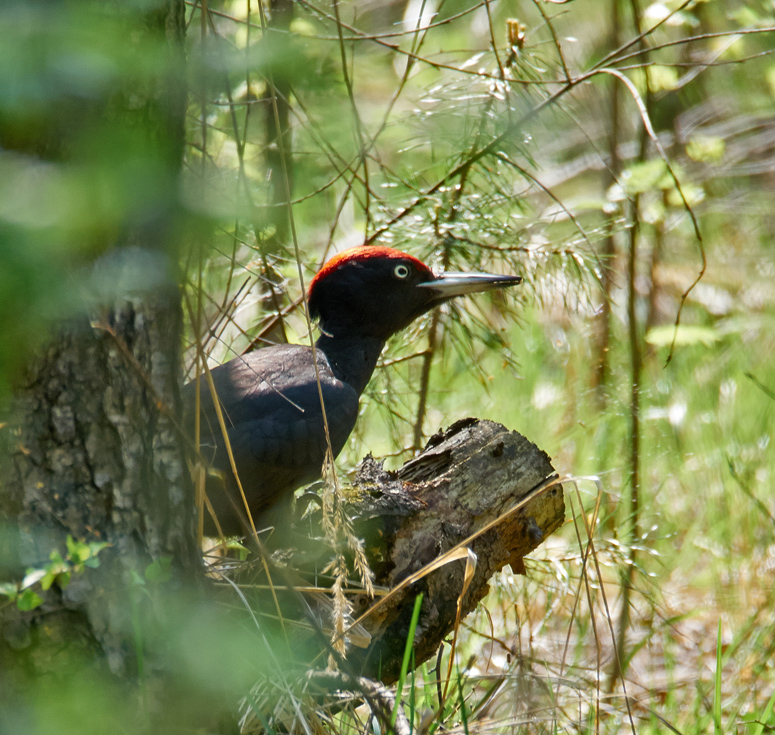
x=377, y=291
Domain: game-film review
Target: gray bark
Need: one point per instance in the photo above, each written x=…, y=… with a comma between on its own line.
x=98, y=457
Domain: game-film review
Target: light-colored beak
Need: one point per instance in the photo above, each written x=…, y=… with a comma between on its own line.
x=449, y=285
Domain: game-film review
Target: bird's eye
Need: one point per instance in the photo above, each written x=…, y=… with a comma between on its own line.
x=401, y=271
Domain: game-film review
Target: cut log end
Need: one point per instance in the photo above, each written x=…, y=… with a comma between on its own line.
x=477, y=487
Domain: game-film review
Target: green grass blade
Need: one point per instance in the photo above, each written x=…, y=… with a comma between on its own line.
x=407, y=657
x=717, y=694
x=764, y=719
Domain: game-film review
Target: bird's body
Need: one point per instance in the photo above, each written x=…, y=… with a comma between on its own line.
x=271, y=407
x=270, y=398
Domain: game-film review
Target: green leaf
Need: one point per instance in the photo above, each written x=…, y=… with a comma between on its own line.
x=234, y=544
x=717, y=688
x=136, y=578
x=81, y=553
x=463, y=708
x=662, y=78
x=647, y=176
x=765, y=717
x=48, y=580
x=73, y=549
x=28, y=600
x=96, y=546
x=692, y=193
x=687, y=335
x=56, y=557
x=77, y=551
x=408, y=648
x=94, y=549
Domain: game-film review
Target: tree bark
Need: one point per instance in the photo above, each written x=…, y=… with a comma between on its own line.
x=98, y=457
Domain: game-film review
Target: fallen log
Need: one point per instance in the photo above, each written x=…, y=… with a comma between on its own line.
x=478, y=497
x=477, y=487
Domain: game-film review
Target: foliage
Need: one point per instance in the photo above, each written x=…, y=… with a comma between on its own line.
x=441, y=133
x=80, y=556
x=74, y=174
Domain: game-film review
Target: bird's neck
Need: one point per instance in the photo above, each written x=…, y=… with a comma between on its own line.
x=352, y=358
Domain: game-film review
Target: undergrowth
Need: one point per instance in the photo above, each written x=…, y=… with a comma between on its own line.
x=607, y=152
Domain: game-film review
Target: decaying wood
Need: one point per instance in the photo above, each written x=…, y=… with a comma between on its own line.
x=467, y=478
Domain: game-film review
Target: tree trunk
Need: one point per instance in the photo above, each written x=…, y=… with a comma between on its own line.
x=97, y=457
x=95, y=452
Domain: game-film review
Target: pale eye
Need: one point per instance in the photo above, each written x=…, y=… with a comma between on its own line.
x=401, y=271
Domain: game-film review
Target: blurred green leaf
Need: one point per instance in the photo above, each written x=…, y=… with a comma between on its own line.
x=706, y=148
x=159, y=570
x=662, y=78
x=48, y=580
x=647, y=176
x=686, y=335
x=28, y=600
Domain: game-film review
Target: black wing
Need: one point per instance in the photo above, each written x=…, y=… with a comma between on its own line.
x=271, y=407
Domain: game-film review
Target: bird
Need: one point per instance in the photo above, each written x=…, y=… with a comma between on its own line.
x=270, y=399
